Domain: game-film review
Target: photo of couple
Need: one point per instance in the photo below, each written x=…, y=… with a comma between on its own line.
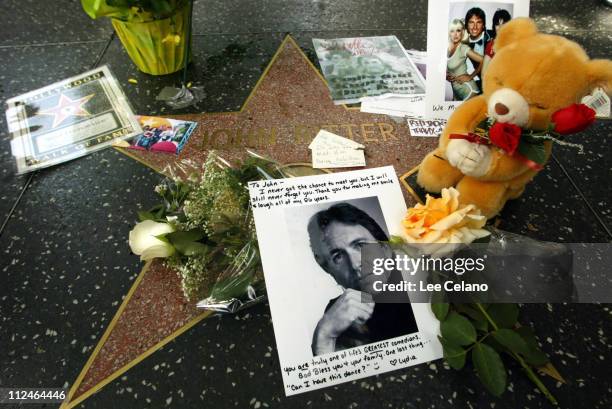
x=470, y=45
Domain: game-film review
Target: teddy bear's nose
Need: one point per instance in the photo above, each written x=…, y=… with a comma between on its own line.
x=501, y=109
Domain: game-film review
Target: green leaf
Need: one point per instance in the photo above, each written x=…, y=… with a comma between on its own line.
x=154, y=213
x=534, y=151
x=440, y=310
x=484, y=125
x=504, y=315
x=511, y=340
x=439, y=305
x=490, y=341
x=528, y=335
x=454, y=354
x=156, y=208
x=534, y=355
x=160, y=213
x=477, y=317
x=482, y=326
x=186, y=236
x=186, y=242
x=162, y=237
x=183, y=190
x=458, y=330
x=192, y=248
x=144, y=215
x=490, y=368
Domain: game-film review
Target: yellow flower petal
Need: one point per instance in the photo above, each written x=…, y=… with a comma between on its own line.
x=450, y=220
x=442, y=220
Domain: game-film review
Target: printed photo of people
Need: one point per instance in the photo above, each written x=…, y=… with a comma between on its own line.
x=162, y=134
x=329, y=238
x=472, y=29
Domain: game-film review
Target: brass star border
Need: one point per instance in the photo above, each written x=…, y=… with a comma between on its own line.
x=121, y=347
x=73, y=400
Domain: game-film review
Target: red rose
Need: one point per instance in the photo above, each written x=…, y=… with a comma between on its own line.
x=573, y=119
x=505, y=136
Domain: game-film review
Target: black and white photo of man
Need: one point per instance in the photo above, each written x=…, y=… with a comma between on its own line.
x=328, y=300
x=337, y=235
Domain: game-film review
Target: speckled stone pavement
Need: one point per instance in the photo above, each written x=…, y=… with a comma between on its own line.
x=66, y=266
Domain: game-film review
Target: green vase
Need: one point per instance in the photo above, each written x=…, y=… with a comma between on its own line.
x=157, y=47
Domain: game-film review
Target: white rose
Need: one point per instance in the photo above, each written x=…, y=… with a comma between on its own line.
x=143, y=240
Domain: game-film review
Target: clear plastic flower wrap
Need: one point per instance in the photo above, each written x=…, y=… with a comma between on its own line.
x=211, y=241
x=241, y=283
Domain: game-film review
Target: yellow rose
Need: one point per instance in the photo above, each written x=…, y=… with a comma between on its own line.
x=143, y=240
x=443, y=221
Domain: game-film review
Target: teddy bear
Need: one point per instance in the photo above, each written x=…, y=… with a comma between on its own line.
x=532, y=76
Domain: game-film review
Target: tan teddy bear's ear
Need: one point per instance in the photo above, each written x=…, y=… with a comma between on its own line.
x=600, y=74
x=514, y=30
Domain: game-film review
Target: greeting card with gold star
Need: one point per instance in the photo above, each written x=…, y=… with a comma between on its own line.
x=68, y=119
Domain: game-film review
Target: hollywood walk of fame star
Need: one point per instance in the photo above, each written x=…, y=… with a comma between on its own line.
x=66, y=108
x=291, y=95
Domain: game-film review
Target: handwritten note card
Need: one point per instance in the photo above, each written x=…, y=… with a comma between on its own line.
x=302, y=224
x=332, y=151
x=426, y=127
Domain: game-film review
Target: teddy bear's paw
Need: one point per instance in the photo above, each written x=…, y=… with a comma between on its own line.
x=470, y=158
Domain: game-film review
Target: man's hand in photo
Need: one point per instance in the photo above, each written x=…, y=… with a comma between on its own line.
x=349, y=308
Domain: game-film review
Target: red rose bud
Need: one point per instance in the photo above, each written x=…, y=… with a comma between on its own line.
x=505, y=136
x=572, y=119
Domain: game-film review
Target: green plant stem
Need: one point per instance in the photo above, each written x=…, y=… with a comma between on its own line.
x=487, y=316
x=472, y=346
x=478, y=341
x=530, y=373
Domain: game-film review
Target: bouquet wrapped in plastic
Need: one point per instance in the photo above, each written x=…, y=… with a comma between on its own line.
x=205, y=231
